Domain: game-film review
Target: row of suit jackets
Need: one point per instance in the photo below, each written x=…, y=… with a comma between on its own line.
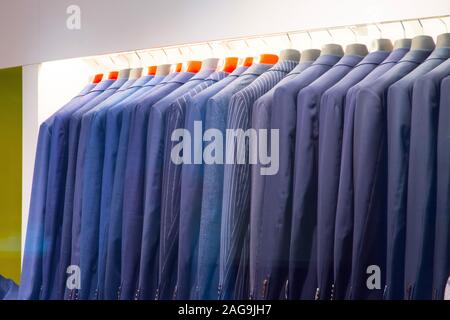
x=362, y=181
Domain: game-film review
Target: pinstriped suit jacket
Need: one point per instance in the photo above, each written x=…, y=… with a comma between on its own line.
x=216, y=118
x=177, y=228
x=235, y=238
x=236, y=191
x=267, y=265
x=191, y=197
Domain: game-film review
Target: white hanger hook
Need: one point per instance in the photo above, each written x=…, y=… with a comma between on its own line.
x=140, y=58
x=330, y=34
x=421, y=25
x=445, y=24
x=289, y=39
x=310, y=38
x=379, y=30
x=211, y=48
x=354, y=33
x=404, y=29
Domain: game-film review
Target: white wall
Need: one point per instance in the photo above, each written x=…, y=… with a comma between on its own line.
x=35, y=31
x=30, y=127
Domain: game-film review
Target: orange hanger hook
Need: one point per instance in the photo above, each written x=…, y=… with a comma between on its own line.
x=178, y=67
x=248, y=62
x=230, y=64
x=97, y=78
x=151, y=70
x=268, y=58
x=194, y=66
x=113, y=75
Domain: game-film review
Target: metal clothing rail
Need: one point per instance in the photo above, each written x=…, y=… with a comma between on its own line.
x=273, y=43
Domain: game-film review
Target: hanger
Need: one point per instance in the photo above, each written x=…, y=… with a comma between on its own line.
x=354, y=33
x=112, y=60
x=113, y=75
x=178, y=67
x=127, y=60
x=267, y=58
x=329, y=33
x=310, y=39
x=289, y=39
x=421, y=25
x=404, y=29
x=97, y=78
x=165, y=53
x=211, y=49
x=379, y=30
x=193, y=66
x=230, y=63
x=248, y=61
x=140, y=59
x=151, y=70
x=445, y=24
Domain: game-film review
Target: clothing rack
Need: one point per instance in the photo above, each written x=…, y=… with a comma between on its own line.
x=273, y=43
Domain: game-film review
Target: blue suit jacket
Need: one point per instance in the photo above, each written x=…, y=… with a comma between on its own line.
x=212, y=201
x=398, y=141
x=152, y=172
x=31, y=277
x=331, y=120
x=236, y=191
x=93, y=225
x=441, y=269
x=82, y=128
x=421, y=207
x=192, y=189
x=303, y=247
x=177, y=227
x=111, y=128
x=66, y=231
x=56, y=179
x=278, y=187
x=118, y=124
x=343, y=239
x=370, y=177
x=134, y=190
x=272, y=265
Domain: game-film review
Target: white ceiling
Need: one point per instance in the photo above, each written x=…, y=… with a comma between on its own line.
x=34, y=31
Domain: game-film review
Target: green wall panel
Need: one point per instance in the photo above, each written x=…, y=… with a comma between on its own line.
x=10, y=171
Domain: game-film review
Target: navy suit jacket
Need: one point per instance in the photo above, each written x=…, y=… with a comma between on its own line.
x=303, y=247
x=370, y=177
x=343, y=239
x=421, y=207
x=331, y=120
x=278, y=187
x=399, y=104
x=441, y=269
